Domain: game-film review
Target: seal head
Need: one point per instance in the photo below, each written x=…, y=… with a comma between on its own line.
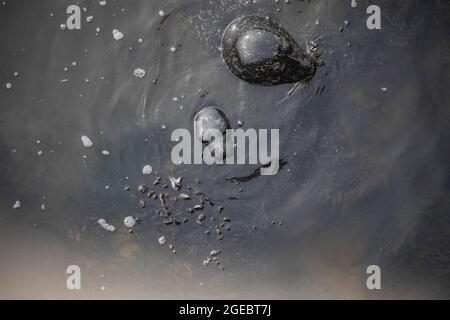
x=259, y=51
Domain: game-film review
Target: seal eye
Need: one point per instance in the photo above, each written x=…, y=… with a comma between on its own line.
x=257, y=46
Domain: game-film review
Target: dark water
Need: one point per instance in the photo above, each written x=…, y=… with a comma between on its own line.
x=367, y=174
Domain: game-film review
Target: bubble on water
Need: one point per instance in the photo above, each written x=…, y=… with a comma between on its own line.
x=106, y=226
x=162, y=240
x=17, y=205
x=173, y=49
x=147, y=169
x=117, y=34
x=89, y=19
x=63, y=27
x=139, y=73
x=102, y=3
x=8, y=85
x=87, y=142
x=129, y=222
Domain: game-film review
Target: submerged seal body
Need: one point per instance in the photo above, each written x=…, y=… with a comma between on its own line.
x=259, y=51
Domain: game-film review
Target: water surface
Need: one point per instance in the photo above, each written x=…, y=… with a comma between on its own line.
x=366, y=180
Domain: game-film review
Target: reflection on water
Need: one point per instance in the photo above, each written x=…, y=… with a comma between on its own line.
x=366, y=174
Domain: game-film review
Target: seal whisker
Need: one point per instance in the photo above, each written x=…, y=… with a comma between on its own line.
x=292, y=92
